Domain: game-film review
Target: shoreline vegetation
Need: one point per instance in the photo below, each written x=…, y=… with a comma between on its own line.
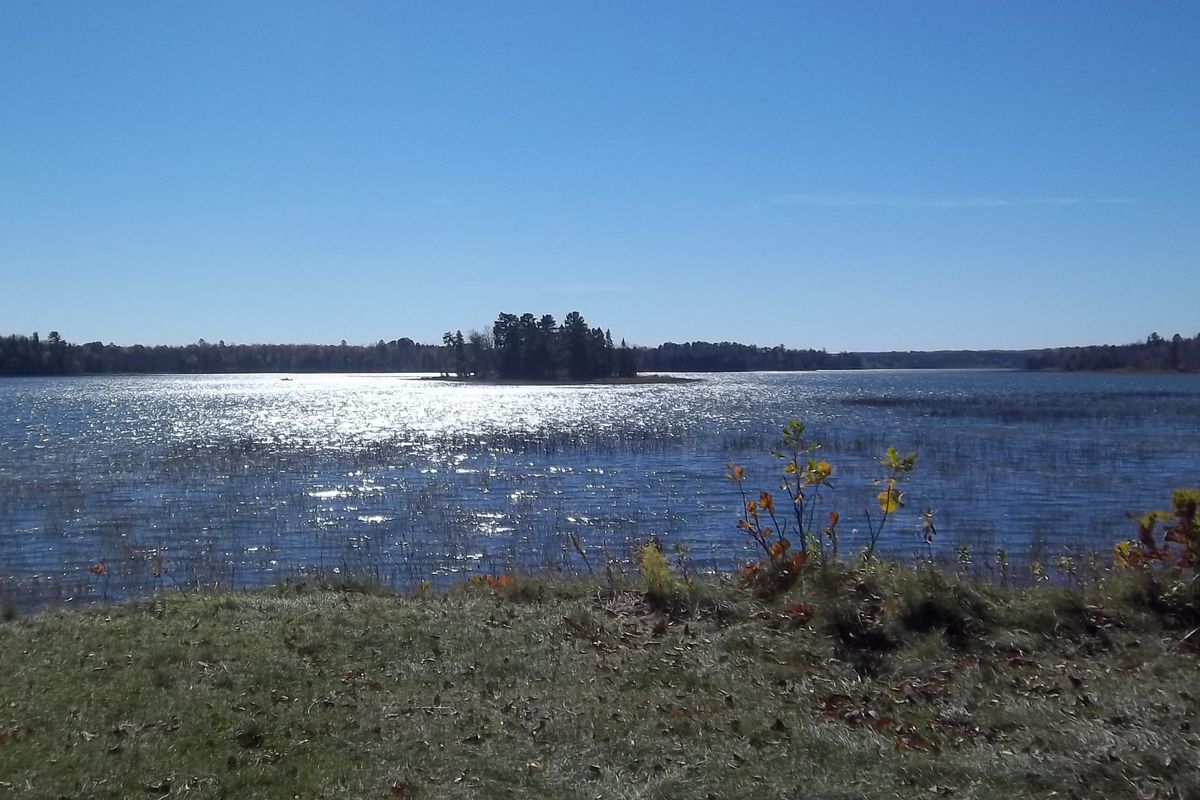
x=860, y=681
x=22, y=355
x=810, y=672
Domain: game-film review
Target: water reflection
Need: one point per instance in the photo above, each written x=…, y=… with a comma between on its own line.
x=243, y=479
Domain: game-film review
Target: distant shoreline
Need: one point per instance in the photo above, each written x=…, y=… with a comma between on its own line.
x=22, y=356
x=635, y=381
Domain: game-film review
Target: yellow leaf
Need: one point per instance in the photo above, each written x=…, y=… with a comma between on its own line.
x=889, y=500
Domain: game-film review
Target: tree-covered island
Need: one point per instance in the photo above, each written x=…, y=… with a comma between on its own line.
x=529, y=348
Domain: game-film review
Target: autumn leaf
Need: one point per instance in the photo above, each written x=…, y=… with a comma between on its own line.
x=911, y=740
x=402, y=789
x=890, y=499
x=779, y=548
x=1126, y=554
x=818, y=471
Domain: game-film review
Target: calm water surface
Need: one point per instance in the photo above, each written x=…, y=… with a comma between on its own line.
x=246, y=479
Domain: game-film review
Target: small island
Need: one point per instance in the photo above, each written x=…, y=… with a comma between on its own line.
x=632, y=380
x=529, y=349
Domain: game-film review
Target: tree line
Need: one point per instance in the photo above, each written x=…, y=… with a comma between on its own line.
x=539, y=348
x=1157, y=353
x=531, y=348
x=32, y=355
x=735, y=357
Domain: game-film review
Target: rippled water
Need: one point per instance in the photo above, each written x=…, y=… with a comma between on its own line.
x=245, y=479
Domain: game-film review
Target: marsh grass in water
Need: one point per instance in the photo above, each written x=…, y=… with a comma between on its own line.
x=239, y=481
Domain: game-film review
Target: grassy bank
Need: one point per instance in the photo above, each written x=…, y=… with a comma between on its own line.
x=883, y=682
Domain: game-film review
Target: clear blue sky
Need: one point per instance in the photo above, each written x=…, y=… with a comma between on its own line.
x=853, y=176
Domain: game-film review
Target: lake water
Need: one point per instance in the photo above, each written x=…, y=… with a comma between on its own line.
x=240, y=480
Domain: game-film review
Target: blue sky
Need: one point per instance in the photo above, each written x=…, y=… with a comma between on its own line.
x=853, y=176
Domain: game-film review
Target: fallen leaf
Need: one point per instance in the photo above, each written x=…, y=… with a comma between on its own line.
x=402, y=789
x=914, y=741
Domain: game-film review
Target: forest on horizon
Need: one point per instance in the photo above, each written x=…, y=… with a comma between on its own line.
x=30, y=355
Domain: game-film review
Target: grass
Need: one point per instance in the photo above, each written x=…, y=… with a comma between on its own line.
x=877, y=682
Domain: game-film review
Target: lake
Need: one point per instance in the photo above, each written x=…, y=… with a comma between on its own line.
x=111, y=486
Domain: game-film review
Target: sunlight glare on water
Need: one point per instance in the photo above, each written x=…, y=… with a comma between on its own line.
x=244, y=479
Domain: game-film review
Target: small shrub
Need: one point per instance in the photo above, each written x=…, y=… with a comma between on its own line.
x=656, y=572
x=805, y=478
x=1181, y=526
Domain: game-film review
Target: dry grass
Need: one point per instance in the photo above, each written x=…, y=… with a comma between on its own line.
x=869, y=683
